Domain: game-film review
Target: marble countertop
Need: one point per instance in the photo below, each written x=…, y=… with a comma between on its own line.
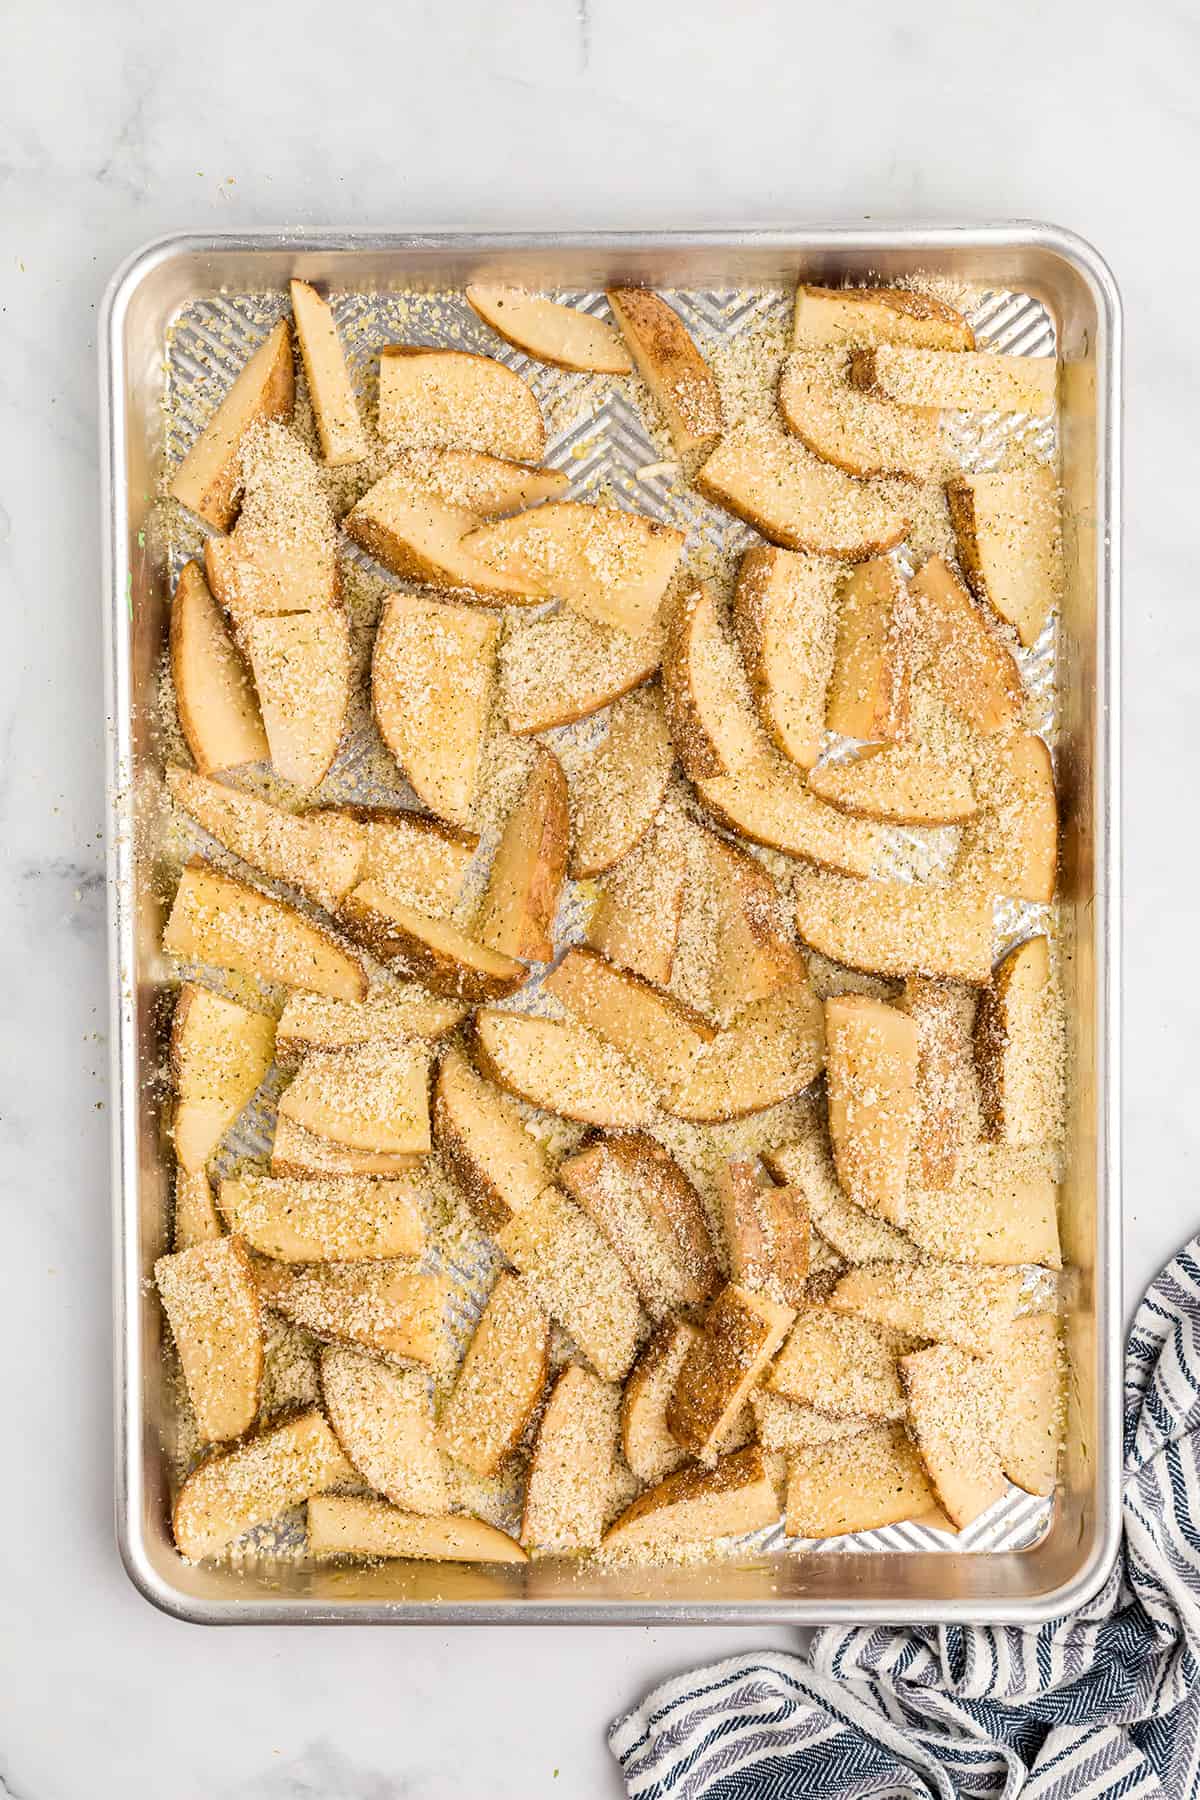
x=113, y=129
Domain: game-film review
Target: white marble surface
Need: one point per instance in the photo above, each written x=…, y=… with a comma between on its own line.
x=114, y=127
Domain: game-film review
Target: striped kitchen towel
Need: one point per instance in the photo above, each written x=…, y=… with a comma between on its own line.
x=1100, y=1703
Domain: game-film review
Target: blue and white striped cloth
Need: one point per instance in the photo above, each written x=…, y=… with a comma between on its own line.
x=1098, y=1704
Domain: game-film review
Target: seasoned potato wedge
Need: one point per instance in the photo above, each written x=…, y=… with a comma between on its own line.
x=1009, y=536
x=896, y=927
x=947, y=1090
x=301, y=668
x=842, y=1367
x=861, y=1483
x=766, y=1232
x=651, y=1215
x=297, y=1153
x=649, y=1448
x=561, y=668
x=211, y=1303
x=899, y=784
x=871, y=1079
x=370, y=1098
x=637, y=917
x=856, y=1236
x=432, y=951
x=1001, y=1208
x=320, y=852
x=562, y=1068
x=974, y=672
x=196, y=1219
x=433, y=673
x=1013, y=845
x=414, y=856
x=783, y=616
x=742, y=1331
x=1027, y=1430
x=214, y=694
x=837, y=317
x=616, y=793
x=1018, y=1053
x=770, y=1052
x=384, y=1422
x=855, y=431
x=311, y=1022
x=941, y=1302
x=560, y=335
x=784, y=1426
x=951, y=1407
x=281, y=556
x=696, y=1505
x=219, y=1054
x=611, y=566
x=868, y=694
x=712, y=719
x=770, y=803
x=500, y=1380
x=969, y=381
x=578, y=1278
x=388, y=1307
x=658, y=1033
x=438, y=399
x=669, y=363
x=207, y=479
x=752, y=955
x=332, y=1218
x=571, y=1467
x=371, y=1530
x=500, y=1166
x=335, y=409
x=229, y=1494
x=516, y=915
x=796, y=500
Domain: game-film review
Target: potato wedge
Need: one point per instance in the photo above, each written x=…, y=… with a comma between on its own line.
x=871, y=1083
x=742, y=1331
x=561, y=1068
x=388, y=1307
x=896, y=927
x=557, y=669
x=571, y=1467
x=868, y=691
x=563, y=336
x=694, y=1505
x=1013, y=845
x=500, y=1380
x=837, y=317
x=383, y=1419
x=769, y=802
x=418, y=858
x=611, y=566
x=853, y=430
x=373, y=1097
x=1001, y=1209
x=301, y=668
x=1009, y=534
x=841, y=1366
x=783, y=618
x=516, y=914
x=863, y=1482
x=712, y=719
x=770, y=1052
x=311, y=1022
x=856, y=1236
x=659, y=1034
x=319, y=852
x=211, y=1303
x=214, y=695
x=433, y=674
x=281, y=556
x=652, y=1216
x=416, y=516
x=787, y=1425
x=207, y=480
x=481, y=1135
x=649, y=1448
x=229, y=1494
x=974, y=672
x=371, y=1530
x=437, y=399
x=947, y=1090
x=298, y=1154
x=578, y=1278
x=898, y=784
x=1019, y=1052
x=431, y=951
x=965, y=381
x=800, y=502
x=616, y=793
x=1028, y=1371
x=766, y=1232
x=680, y=381
x=752, y=955
x=335, y=409
x=332, y=1218
x=220, y=1053
x=952, y=1406
x=196, y=1219
x=941, y=1302
x=637, y=917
